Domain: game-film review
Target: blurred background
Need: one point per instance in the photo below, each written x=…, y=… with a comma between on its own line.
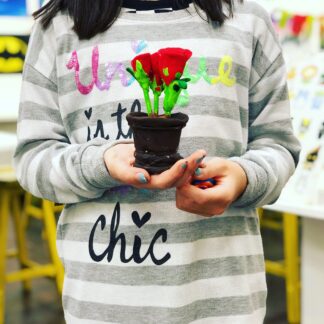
x=292, y=229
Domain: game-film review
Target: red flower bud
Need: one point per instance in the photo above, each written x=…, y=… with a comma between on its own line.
x=155, y=58
x=146, y=62
x=172, y=63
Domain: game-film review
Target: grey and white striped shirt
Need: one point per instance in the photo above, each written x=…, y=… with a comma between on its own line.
x=130, y=255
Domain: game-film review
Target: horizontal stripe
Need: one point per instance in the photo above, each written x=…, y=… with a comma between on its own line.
x=178, y=30
x=226, y=129
x=194, y=129
x=260, y=62
x=252, y=8
x=262, y=30
x=67, y=184
x=273, y=97
x=46, y=189
x=277, y=64
x=273, y=130
x=266, y=84
x=208, y=105
x=278, y=137
x=83, y=212
x=126, y=18
x=177, y=233
x=273, y=113
x=30, y=158
x=164, y=275
x=165, y=296
x=35, y=77
x=33, y=111
x=265, y=52
x=213, y=146
x=117, y=92
x=33, y=130
x=39, y=95
x=122, y=51
x=69, y=319
x=265, y=68
x=181, y=254
x=36, y=40
x=256, y=317
x=46, y=60
x=199, y=309
x=67, y=81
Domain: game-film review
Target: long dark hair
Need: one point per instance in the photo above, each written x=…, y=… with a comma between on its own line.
x=91, y=19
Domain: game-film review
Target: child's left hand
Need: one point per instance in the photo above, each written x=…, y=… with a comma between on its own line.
x=231, y=182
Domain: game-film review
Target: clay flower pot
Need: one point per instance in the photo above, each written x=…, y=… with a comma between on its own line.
x=157, y=137
x=156, y=140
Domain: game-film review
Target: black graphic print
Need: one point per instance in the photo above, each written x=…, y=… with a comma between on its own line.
x=115, y=237
x=119, y=114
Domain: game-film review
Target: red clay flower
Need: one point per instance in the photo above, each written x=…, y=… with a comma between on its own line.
x=172, y=63
x=146, y=62
x=155, y=59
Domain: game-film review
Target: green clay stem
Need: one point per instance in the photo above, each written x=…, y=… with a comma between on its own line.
x=156, y=103
x=147, y=101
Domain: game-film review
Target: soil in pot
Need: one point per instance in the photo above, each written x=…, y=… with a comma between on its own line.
x=156, y=140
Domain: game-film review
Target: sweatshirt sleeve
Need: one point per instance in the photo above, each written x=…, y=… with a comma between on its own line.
x=47, y=164
x=273, y=150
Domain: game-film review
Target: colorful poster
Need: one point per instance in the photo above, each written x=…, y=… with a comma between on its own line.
x=13, y=8
x=12, y=53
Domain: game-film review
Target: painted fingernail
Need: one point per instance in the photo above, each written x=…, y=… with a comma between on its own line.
x=198, y=172
x=184, y=165
x=141, y=178
x=200, y=160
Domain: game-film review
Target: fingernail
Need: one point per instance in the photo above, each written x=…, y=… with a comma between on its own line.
x=141, y=178
x=184, y=165
x=198, y=172
x=199, y=160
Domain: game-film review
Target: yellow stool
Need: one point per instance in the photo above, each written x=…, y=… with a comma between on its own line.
x=10, y=206
x=289, y=267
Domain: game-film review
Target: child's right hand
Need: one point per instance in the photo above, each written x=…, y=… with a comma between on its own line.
x=119, y=161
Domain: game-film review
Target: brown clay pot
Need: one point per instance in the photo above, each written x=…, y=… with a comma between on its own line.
x=156, y=140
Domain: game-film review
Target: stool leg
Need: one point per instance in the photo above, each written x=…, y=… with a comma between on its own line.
x=4, y=216
x=292, y=267
x=20, y=237
x=50, y=230
x=27, y=203
x=260, y=214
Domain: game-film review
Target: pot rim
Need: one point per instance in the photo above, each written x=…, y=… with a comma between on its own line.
x=142, y=120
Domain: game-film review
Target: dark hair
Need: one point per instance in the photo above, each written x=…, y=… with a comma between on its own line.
x=90, y=20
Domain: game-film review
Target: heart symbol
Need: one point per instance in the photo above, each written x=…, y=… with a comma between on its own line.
x=139, y=222
x=88, y=113
x=138, y=46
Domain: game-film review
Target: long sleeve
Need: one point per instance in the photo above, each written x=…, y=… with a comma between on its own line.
x=273, y=150
x=47, y=164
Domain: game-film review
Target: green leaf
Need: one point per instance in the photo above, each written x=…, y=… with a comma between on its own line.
x=186, y=79
x=183, y=84
x=141, y=76
x=131, y=71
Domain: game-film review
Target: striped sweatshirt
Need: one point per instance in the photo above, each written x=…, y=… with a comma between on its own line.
x=130, y=255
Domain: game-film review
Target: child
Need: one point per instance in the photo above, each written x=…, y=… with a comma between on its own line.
x=133, y=254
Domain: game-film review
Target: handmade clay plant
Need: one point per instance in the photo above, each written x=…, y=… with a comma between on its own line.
x=157, y=137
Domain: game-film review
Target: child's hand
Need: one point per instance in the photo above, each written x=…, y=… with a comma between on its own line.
x=231, y=182
x=119, y=161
